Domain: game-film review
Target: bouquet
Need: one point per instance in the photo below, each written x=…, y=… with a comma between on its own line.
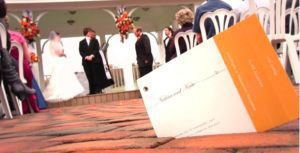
x=124, y=23
x=34, y=57
x=29, y=29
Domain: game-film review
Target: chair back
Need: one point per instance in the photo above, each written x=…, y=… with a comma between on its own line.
x=279, y=10
x=3, y=35
x=263, y=14
x=282, y=16
x=15, y=44
x=296, y=34
x=221, y=20
x=292, y=16
x=189, y=38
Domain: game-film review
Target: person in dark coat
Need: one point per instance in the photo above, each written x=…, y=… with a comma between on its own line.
x=8, y=71
x=167, y=42
x=143, y=52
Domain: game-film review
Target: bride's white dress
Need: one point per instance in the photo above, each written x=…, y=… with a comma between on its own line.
x=63, y=84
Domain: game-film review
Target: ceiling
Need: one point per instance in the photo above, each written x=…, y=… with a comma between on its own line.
x=88, y=4
x=149, y=15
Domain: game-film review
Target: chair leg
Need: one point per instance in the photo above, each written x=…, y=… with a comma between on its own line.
x=4, y=102
x=294, y=61
x=31, y=111
x=17, y=104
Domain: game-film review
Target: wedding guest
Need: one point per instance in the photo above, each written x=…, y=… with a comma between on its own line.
x=209, y=6
x=243, y=7
x=7, y=66
x=28, y=75
x=143, y=52
x=184, y=18
x=167, y=42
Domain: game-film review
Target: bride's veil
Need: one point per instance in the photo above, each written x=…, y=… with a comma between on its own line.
x=50, y=57
x=52, y=35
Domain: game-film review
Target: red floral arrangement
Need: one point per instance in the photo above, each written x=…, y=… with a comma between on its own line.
x=33, y=57
x=124, y=23
x=29, y=29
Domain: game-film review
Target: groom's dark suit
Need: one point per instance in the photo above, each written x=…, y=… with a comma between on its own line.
x=94, y=69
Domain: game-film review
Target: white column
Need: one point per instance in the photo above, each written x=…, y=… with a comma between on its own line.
x=127, y=66
x=128, y=77
x=35, y=66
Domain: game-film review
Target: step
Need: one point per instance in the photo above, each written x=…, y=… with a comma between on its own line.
x=97, y=98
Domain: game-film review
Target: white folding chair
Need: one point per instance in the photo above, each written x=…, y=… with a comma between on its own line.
x=263, y=14
x=220, y=18
x=278, y=35
x=3, y=96
x=21, y=59
x=291, y=57
x=16, y=101
x=190, y=40
x=296, y=36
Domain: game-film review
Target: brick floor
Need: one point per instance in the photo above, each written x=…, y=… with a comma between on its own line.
x=124, y=127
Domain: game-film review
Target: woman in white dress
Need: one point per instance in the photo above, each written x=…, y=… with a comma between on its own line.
x=63, y=84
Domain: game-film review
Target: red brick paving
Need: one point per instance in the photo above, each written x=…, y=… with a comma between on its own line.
x=162, y=151
x=252, y=140
x=124, y=127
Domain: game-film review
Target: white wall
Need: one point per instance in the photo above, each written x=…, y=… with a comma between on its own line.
x=120, y=54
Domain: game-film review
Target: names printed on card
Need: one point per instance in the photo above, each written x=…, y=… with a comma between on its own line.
x=177, y=92
x=188, y=86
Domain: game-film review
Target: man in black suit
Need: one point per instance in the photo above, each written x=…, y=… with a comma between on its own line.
x=143, y=52
x=92, y=61
x=167, y=42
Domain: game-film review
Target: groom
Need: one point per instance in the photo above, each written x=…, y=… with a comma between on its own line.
x=91, y=60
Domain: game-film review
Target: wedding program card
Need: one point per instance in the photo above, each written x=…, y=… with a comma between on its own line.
x=232, y=83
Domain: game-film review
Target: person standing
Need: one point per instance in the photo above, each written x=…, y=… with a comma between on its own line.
x=167, y=41
x=63, y=84
x=184, y=18
x=105, y=78
x=143, y=52
x=8, y=71
x=28, y=75
x=92, y=62
x=209, y=6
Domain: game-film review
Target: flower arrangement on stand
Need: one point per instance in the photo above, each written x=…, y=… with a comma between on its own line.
x=124, y=23
x=29, y=29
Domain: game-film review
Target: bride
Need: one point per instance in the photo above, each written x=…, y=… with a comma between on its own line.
x=63, y=84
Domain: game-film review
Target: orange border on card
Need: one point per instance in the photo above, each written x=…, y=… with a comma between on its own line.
x=264, y=87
